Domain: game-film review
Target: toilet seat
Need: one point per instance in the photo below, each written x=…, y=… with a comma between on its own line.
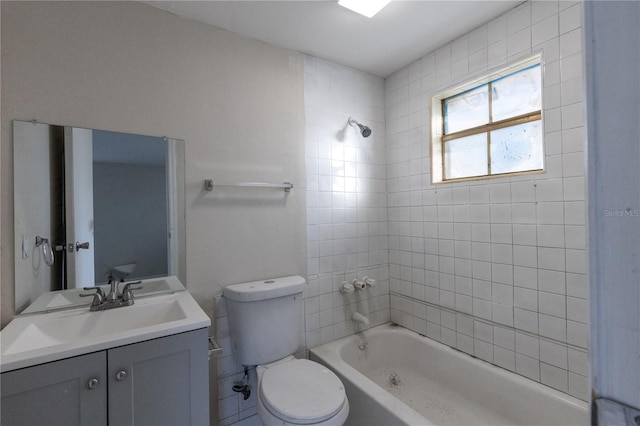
x=301, y=391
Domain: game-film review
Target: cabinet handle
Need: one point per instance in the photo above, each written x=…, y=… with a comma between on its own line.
x=92, y=384
x=121, y=375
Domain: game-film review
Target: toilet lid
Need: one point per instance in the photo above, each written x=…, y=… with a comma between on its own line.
x=301, y=391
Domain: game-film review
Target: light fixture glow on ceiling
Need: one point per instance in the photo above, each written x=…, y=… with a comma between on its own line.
x=367, y=8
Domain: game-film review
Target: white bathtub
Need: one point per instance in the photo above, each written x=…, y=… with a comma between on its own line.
x=404, y=378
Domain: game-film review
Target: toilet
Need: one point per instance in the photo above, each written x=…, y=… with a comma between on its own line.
x=264, y=322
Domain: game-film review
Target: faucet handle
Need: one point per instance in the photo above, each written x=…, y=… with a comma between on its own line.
x=127, y=292
x=358, y=284
x=99, y=292
x=347, y=288
x=370, y=282
x=98, y=297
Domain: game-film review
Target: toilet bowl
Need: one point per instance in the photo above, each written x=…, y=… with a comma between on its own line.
x=300, y=392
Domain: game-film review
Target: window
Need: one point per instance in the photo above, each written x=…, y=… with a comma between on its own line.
x=490, y=128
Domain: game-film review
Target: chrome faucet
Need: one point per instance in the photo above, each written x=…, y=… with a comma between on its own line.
x=113, y=295
x=114, y=299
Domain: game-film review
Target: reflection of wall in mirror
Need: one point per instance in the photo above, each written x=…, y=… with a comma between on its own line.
x=130, y=213
x=42, y=180
x=130, y=206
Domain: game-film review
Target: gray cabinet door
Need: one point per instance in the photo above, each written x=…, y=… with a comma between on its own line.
x=160, y=382
x=69, y=392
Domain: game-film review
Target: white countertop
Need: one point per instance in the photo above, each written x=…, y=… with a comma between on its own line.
x=38, y=338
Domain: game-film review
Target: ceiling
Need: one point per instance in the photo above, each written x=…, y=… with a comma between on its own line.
x=400, y=34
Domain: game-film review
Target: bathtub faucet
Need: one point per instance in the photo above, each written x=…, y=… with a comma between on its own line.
x=358, y=317
x=358, y=284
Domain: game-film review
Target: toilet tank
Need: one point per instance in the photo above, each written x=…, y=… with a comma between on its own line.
x=264, y=318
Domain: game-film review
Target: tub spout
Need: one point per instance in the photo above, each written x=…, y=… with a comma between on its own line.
x=358, y=317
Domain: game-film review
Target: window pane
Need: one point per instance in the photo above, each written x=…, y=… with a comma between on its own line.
x=466, y=157
x=517, y=94
x=466, y=110
x=517, y=148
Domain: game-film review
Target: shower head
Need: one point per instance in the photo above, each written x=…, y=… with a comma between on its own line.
x=364, y=130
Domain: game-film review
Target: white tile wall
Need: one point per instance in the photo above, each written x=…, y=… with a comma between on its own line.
x=497, y=265
x=346, y=199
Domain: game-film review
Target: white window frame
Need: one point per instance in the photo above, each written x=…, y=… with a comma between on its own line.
x=437, y=120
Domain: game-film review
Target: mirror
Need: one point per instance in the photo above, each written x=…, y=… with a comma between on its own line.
x=93, y=205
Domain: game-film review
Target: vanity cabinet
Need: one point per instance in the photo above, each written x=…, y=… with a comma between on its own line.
x=154, y=382
x=160, y=382
x=70, y=392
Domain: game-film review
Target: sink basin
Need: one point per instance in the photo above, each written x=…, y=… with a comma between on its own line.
x=75, y=327
x=37, y=338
